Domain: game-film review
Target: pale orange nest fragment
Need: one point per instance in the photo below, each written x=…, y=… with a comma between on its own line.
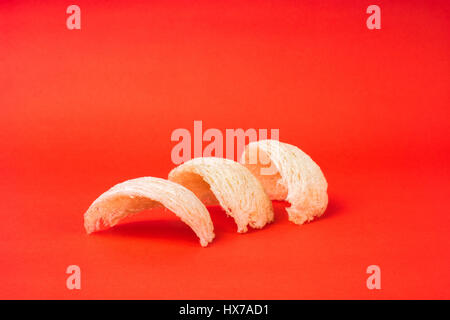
x=295, y=177
x=132, y=196
x=230, y=184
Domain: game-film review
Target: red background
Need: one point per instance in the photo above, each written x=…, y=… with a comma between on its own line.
x=82, y=110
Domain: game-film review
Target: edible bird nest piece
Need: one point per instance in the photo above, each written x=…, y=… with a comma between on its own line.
x=230, y=184
x=294, y=177
x=133, y=196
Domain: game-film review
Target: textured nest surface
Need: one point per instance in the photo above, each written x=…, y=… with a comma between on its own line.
x=295, y=177
x=230, y=184
x=132, y=196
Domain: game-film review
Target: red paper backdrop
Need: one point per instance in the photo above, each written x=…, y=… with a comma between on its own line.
x=82, y=110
